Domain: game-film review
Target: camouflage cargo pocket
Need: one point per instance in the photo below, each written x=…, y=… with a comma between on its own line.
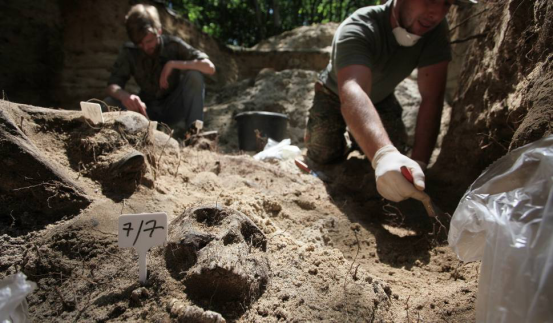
x=324, y=135
x=325, y=131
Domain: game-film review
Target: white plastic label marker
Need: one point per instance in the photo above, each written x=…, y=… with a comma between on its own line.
x=142, y=232
x=93, y=112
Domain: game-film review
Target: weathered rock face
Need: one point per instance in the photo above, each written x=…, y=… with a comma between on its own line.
x=504, y=98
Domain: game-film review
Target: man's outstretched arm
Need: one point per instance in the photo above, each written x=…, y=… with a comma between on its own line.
x=354, y=84
x=131, y=101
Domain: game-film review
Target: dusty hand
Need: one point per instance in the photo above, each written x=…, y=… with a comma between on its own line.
x=391, y=184
x=134, y=103
x=166, y=71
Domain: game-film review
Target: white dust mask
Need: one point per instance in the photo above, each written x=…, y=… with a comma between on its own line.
x=403, y=37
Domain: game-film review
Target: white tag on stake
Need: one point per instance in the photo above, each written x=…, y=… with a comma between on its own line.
x=93, y=112
x=142, y=232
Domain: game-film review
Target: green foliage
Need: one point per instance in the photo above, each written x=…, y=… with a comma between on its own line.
x=247, y=22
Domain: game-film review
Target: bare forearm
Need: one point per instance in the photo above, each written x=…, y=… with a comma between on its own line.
x=354, y=83
x=116, y=92
x=203, y=65
x=427, y=129
x=364, y=121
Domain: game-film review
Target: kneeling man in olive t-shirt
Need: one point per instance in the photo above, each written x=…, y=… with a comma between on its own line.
x=372, y=52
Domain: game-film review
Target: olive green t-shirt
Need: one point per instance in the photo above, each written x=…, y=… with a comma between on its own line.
x=132, y=61
x=366, y=38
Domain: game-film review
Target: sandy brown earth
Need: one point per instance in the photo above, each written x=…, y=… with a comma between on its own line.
x=317, y=36
x=333, y=251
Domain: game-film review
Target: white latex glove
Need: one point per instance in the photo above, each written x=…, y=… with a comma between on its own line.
x=391, y=184
x=421, y=164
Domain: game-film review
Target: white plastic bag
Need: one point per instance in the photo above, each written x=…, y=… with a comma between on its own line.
x=505, y=220
x=13, y=306
x=278, y=150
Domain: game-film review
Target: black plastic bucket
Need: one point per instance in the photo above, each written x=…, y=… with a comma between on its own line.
x=269, y=124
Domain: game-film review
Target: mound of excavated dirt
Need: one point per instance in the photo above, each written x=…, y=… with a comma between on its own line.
x=301, y=38
x=289, y=92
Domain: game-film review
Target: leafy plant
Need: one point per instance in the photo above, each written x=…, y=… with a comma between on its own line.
x=247, y=22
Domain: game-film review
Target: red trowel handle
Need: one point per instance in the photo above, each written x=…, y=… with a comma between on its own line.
x=302, y=166
x=407, y=174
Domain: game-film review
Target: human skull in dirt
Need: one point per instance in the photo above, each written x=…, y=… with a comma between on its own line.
x=219, y=255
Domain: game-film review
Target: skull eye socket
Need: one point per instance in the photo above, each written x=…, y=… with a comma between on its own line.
x=210, y=216
x=253, y=236
x=230, y=238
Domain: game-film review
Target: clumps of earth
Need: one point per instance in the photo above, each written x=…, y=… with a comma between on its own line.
x=312, y=37
x=249, y=241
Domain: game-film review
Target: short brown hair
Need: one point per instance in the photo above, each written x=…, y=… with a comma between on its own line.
x=141, y=20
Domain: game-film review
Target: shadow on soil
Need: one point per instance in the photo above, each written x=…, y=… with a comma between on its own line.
x=404, y=233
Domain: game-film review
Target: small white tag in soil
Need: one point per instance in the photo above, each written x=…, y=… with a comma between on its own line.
x=93, y=112
x=142, y=232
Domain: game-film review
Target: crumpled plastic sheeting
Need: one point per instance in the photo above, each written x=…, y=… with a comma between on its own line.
x=13, y=306
x=505, y=220
x=278, y=150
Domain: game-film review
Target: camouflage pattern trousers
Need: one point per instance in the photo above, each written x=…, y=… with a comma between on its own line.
x=326, y=131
